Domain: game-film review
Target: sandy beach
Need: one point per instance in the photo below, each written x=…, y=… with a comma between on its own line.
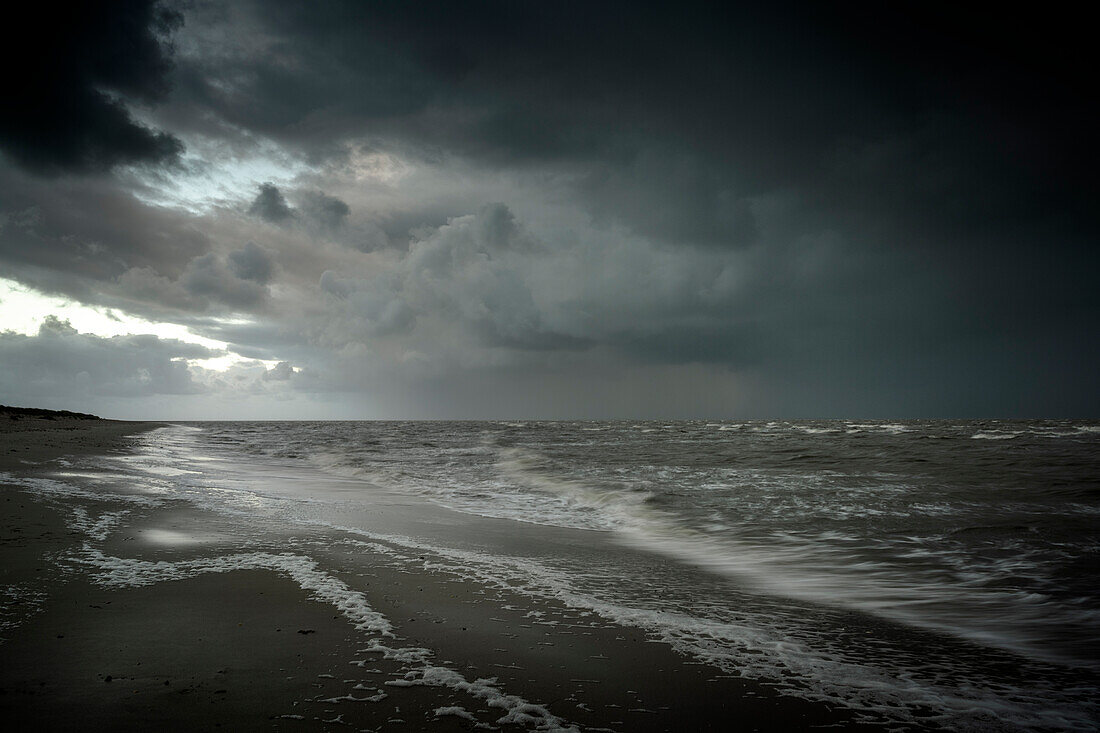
x=267, y=640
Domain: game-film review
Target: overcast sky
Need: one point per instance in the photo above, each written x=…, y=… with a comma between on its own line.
x=549, y=209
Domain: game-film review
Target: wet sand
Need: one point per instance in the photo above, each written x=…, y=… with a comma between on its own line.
x=251, y=646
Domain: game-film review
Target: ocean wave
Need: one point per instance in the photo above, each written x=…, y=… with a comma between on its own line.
x=749, y=646
x=792, y=534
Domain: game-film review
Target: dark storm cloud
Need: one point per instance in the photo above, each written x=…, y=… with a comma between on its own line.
x=91, y=228
x=91, y=240
x=316, y=212
x=94, y=242
x=327, y=212
x=685, y=111
x=672, y=196
x=474, y=272
x=251, y=262
x=270, y=204
x=69, y=78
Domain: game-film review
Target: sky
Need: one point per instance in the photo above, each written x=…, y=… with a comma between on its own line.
x=567, y=210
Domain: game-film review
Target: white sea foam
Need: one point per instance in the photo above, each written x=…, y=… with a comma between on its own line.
x=457, y=711
x=110, y=571
x=517, y=711
x=99, y=528
x=877, y=427
x=986, y=435
x=750, y=649
x=817, y=431
x=51, y=488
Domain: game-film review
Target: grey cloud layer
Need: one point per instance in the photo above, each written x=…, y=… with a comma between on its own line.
x=59, y=366
x=803, y=210
x=61, y=361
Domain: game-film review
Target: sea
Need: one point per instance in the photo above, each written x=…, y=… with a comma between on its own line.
x=915, y=572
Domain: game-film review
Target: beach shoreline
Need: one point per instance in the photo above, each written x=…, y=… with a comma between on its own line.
x=255, y=635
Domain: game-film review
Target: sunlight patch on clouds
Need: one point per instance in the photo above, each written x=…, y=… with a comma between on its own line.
x=23, y=310
x=371, y=165
x=230, y=360
x=216, y=174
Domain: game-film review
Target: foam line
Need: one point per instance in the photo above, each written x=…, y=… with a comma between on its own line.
x=110, y=571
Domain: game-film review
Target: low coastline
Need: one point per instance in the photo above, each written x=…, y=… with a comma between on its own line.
x=253, y=647
x=29, y=441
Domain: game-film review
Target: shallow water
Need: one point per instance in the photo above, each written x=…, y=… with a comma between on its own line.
x=941, y=572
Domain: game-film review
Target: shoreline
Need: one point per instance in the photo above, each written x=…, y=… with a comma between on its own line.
x=26, y=442
x=234, y=632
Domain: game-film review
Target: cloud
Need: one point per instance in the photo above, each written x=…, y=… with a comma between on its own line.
x=470, y=272
x=237, y=281
x=672, y=196
x=270, y=205
x=93, y=228
x=327, y=212
x=281, y=372
x=807, y=202
x=735, y=102
x=483, y=288
x=121, y=376
x=70, y=106
x=143, y=284
x=251, y=262
x=59, y=363
x=317, y=213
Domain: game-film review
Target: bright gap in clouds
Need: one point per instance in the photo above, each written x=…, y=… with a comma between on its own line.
x=213, y=174
x=23, y=310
